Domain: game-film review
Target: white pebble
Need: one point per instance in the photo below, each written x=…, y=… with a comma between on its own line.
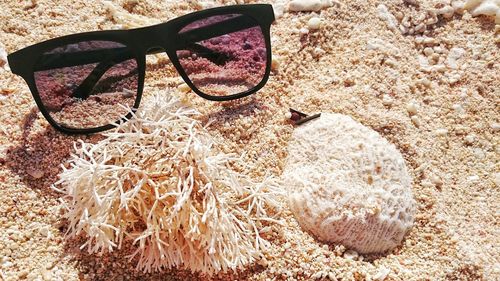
x=453, y=56
x=317, y=275
x=45, y=231
x=318, y=52
x=458, y=108
x=495, y=127
x=415, y=121
x=436, y=180
x=309, y=5
x=304, y=30
x=485, y=7
x=473, y=178
x=387, y=100
x=279, y=9
x=454, y=78
x=391, y=62
x=446, y=11
x=350, y=254
x=275, y=63
x=46, y=275
x=439, y=68
x=458, y=6
x=314, y=23
x=3, y=58
x=426, y=184
x=288, y=115
x=428, y=51
x=429, y=40
x=184, y=88
x=438, y=49
x=411, y=108
x=420, y=28
x=13, y=246
x=206, y=4
x=388, y=17
x=441, y=132
x=496, y=179
x=479, y=153
x=469, y=139
x=381, y=274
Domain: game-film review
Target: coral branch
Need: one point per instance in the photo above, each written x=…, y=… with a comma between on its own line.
x=158, y=182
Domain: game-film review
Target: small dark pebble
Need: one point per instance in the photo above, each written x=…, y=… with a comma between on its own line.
x=247, y=46
x=295, y=116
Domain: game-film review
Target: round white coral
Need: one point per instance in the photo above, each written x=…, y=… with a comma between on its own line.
x=158, y=181
x=349, y=185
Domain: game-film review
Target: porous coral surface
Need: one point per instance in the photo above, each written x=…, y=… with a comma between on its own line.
x=348, y=185
x=393, y=77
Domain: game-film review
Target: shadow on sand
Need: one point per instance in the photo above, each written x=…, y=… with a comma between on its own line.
x=37, y=158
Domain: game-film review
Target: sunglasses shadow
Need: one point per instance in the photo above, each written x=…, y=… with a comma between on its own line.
x=37, y=158
x=233, y=110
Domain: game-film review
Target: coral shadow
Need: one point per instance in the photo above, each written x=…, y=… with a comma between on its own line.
x=97, y=267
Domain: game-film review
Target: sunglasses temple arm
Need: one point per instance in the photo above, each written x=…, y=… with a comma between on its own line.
x=85, y=88
x=57, y=60
x=218, y=29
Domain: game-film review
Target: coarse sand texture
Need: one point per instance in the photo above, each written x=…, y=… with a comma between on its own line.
x=423, y=74
x=348, y=185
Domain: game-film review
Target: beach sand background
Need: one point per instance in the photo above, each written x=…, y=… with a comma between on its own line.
x=443, y=118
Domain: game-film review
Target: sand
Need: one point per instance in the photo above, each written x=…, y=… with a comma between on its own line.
x=435, y=95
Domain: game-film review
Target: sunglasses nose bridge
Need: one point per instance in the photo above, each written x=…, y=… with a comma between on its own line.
x=150, y=40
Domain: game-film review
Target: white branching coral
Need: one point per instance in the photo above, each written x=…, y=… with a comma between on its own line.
x=159, y=182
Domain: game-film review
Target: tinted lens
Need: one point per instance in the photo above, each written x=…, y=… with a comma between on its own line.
x=223, y=55
x=87, y=84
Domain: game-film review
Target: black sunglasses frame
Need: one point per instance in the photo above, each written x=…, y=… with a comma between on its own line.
x=142, y=41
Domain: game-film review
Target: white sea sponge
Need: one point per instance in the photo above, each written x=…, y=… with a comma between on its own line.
x=484, y=7
x=348, y=184
x=159, y=183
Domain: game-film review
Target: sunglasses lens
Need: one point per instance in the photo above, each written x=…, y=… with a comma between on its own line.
x=87, y=84
x=224, y=55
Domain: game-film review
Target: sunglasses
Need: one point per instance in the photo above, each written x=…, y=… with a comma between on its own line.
x=89, y=82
